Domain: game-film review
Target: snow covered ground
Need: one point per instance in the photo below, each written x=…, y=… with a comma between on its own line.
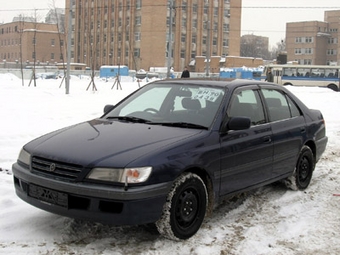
x=269, y=220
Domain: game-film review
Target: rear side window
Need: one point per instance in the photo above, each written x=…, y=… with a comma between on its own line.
x=279, y=108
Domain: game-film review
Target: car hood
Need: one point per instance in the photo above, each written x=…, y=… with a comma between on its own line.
x=110, y=143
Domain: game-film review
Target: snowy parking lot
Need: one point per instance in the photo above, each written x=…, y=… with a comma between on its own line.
x=269, y=220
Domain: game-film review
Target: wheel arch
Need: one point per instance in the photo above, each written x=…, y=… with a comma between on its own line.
x=333, y=87
x=312, y=146
x=209, y=186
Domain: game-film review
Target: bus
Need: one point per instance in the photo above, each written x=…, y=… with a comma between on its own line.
x=305, y=75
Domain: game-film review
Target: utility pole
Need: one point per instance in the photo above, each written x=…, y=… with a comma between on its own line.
x=207, y=66
x=170, y=39
x=69, y=34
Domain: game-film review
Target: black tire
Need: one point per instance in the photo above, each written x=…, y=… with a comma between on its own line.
x=303, y=171
x=185, y=208
x=333, y=87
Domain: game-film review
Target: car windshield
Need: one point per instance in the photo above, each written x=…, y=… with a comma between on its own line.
x=189, y=106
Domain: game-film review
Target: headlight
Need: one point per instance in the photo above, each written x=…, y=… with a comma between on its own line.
x=24, y=157
x=126, y=175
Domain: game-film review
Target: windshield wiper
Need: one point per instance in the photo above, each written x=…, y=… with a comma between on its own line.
x=178, y=124
x=128, y=118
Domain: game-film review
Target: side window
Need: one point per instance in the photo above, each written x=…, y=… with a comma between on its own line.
x=247, y=103
x=277, y=105
x=294, y=110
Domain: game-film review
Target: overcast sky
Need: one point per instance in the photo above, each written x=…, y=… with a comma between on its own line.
x=269, y=18
x=259, y=17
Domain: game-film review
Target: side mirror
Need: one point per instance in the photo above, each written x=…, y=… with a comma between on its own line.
x=108, y=108
x=238, y=123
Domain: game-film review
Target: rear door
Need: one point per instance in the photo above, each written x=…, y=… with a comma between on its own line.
x=246, y=155
x=288, y=127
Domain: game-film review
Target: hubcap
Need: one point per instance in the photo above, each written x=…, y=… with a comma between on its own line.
x=304, y=169
x=187, y=208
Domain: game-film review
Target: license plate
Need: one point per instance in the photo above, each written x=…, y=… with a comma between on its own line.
x=47, y=195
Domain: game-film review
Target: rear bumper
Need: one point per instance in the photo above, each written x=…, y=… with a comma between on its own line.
x=111, y=205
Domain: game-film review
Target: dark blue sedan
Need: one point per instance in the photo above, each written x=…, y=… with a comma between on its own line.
x=170, y=152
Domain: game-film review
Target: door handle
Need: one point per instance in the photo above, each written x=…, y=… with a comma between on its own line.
x=267, y=139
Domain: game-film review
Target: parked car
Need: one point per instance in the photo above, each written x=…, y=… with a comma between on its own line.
x=171, y=151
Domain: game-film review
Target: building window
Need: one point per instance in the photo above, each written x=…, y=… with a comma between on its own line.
x=194, y=8
x=184, y=22
x=214, y=41
x=137, y=36
x=136, y=52
x=298, y=51
x=215, y=11
x=307, y=61
x=138, y=4
x=138, y=20
x=194, y=23
x=52, y=56
x=333, y=41
x=309, y=51
x=298, y=39
x=193, y=39
x=331, y=52
x=183, y=38
x=182, y=54
x=309, y=39
x=52, y=42
x=215, y=26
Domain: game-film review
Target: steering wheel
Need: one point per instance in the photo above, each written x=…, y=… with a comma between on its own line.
x=151, y=110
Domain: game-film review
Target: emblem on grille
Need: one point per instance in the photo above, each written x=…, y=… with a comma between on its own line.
x=52, y=167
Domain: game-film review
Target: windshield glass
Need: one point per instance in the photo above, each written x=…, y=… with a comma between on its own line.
x=167, y=103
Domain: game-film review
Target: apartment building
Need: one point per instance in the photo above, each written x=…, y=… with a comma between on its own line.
x=29, y=42
x=136, y=33
x=315, y=42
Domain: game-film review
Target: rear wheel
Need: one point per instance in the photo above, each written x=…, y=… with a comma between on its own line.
x=185, y=209
x=303, y=171
x=333, y=87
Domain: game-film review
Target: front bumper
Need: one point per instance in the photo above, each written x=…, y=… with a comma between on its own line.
x=94, y=202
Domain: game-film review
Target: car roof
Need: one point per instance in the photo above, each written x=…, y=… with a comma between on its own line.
x=217, y=82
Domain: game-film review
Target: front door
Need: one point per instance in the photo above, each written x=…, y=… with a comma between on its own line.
x=246, y=155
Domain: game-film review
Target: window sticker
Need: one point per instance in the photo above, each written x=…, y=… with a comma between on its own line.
x=206, y=94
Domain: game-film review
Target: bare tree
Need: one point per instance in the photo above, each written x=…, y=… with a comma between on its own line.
x=280, y=48
x=20, y=31
x=252, y=46
x=35, y=29
x=61, y=28
x=93, y=41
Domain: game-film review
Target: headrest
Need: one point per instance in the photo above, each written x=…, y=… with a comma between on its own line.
x=191, y=104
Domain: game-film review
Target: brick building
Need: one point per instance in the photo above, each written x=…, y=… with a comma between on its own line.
x=29, y=41
x=135, y=33
x=314, y=42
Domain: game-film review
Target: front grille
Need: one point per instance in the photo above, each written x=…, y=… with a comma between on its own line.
x=55, y=168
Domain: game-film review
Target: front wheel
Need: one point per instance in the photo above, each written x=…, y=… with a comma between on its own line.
x=303, y=171
x=185, y=208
